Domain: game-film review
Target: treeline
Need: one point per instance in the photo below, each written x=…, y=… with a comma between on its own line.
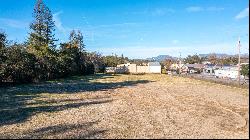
x=38, y=58
x=213, y=59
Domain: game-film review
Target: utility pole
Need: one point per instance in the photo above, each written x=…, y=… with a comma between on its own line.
x=239, y=45
x=180, y=63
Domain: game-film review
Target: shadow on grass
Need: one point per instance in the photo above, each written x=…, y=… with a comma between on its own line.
x=62, y=131
x=22, y=113
x=14, y=100
x=86, y=78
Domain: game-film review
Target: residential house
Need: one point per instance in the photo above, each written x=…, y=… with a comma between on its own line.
x=209, y=69
x=230, y=72
x=226, y=72
x=152, y=67
x=195, y=68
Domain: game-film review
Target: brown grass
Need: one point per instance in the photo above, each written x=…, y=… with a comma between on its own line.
x=124, y=106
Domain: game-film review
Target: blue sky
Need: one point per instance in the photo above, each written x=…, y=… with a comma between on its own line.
x=140, y=28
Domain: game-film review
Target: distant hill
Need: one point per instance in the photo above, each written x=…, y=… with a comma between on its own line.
x=220, y=55
x=160, y=58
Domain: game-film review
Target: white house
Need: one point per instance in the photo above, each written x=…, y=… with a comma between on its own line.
x=154, y=67
x=227, y=72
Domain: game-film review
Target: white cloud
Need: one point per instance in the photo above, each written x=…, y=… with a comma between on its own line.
x=14, y=23
x=215, y=9
x=199, y=9
x=158, y=12
x=153, y=12
x=58, y=22
x=244, y=13
x=117, y=24
x=175, y=41
x=161, y=12
x=194, y=9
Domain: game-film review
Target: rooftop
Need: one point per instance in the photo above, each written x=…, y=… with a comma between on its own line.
x=154, y=64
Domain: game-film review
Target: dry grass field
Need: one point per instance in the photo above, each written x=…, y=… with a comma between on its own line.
x=124, y=106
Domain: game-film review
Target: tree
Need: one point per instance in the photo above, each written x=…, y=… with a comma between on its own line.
x=228, y=61
x=66, y=60
x=122, y=59
x=3, y=40
x=111, y=60
x=167, y=63
x=80, y=41
x=97, y=61
x=245, y=70
x=83, y=64
x=77, y=49
x=212, y=58
x=193, y=59
x=74, y=54
x=49, y=28
x=36, y=38
x=41, y=39
x=37, y=59
x=19, y=66
x=3, y=56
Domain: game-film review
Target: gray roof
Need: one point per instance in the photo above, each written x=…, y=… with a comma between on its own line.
x=154, y=64
x=195, y=65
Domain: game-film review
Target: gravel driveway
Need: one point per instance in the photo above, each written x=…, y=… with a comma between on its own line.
x=132, y=106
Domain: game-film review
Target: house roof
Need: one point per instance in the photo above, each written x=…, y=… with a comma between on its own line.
x=154, y=64
x=195, y=65
x=210, y=65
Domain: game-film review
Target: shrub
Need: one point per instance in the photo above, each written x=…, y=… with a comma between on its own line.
x=19, y=66
x=163, y=71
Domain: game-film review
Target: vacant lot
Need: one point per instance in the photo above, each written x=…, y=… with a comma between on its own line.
x=124, y=106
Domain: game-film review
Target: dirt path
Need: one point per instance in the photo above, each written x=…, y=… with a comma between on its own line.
x=163, y=108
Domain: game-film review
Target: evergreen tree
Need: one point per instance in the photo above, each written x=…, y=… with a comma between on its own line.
x=73, y=40
x=37, y=60
x=80, y=41
x=49, y=29
x=3, y=40
x=36, y=39
x=122, y=59
x=76, y=40
x=83, y=64
x=41, y=39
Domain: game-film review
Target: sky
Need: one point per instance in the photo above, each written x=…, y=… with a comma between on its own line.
x=140, y=28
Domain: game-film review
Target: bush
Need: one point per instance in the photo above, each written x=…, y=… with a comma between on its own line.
x=19, y=66
x=245, y=70
x=163, y=71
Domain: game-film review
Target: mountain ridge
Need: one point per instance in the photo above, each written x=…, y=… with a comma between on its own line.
x=160, y=58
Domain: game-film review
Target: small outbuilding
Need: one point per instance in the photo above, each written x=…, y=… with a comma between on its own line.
x=154, y=67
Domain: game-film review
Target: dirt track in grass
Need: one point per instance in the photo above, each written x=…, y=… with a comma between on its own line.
x=124, y=106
